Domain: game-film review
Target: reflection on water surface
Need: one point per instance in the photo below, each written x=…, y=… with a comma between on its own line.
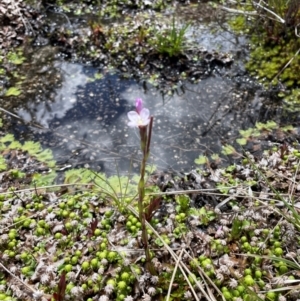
x=85, y=121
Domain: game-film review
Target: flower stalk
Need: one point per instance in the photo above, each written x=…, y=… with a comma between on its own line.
x=141, y=118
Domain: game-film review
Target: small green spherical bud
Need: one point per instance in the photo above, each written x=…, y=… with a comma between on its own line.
x=177, y=231
x=227, y=295
x=167, y=240
x=283, y=269
x=94, y=263
x=40, y=231
x=11, y=254
x=68, y=226
x=271, y=295
x=24, y=256
x=84, y=207
x=61, y=205
x=182, y=215
x=278, y=251
x=40, y=206
x=69, y=286
x=194, y=263
x=25, y=270
x=258, y=274
x=122, y=285
x=97, y=232
x=67, y=259
x=257, y=260
x=247, y=272
x=244, y=239
x=133, y=229
x=125, y=276
x=134, y=220
x=121, y=297
x=41, y=223
x=202, y=258
x=103, y=246
x=240, y=288
x=277, y=244
x=112, y=255
x=72, y=215
x=78, y=253
x=220, y=248
x=12, y=244
x=85, y=265
x=12, y=235
x=108, y=213
x=206, y=262
x=68, y=268
x=249, y=281
x=65, y=213
x=74, y=260
x=277, y=228
x=26, y=223
x=111, y=282
x=138, y=225
x=102, y=254
x=236, y=293
x=57, y=235
x=71, y=202
x=104, y=222
x=128, y=224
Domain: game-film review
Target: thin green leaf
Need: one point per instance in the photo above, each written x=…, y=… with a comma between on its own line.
x=201, y=160
x=13, y=91
x=241, y=141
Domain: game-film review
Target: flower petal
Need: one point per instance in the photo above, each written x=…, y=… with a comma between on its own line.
x=133, y=116
x=139, y=105
x=144, y=114
x=132, y=124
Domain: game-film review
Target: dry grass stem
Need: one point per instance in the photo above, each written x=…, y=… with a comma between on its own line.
x=173, y=275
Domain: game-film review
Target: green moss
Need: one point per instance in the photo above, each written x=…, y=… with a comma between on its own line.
x=273, y=45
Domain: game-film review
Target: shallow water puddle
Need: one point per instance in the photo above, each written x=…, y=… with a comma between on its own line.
x=86, y=121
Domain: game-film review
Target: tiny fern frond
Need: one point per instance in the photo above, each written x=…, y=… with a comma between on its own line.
x=81, y=175
x=40, y=180
x=45, y=155
x=15, y=145
x=7, y=138
x=33, y=148
x=3, y=165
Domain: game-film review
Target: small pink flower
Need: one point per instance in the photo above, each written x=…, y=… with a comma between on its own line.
x=140, y=117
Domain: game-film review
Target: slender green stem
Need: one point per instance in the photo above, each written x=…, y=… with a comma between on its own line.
x=145, y=147
x=149, y=137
